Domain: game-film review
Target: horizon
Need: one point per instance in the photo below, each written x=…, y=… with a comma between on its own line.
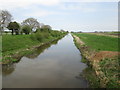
x=68, y=15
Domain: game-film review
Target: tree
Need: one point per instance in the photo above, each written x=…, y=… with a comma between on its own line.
x=46, y=28
x=26, y=29
x=5, y=19
x=14, y=26
x=32, y=23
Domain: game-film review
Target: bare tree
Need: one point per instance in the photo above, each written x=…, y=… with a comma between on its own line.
x=32, y=23
x=5, y=19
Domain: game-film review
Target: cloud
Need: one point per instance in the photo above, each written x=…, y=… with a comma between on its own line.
x=91, y=0
x=10, y=4
x=83, y=7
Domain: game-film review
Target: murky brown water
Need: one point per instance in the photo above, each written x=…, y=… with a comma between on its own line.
x=55, y=66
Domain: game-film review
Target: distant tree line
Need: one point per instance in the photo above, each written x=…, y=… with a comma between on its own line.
x=29, y=25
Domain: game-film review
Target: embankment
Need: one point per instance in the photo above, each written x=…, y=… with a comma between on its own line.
x=14, y=47
x=103, y=65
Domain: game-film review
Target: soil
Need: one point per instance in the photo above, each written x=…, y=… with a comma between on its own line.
x=78, y=40
x=105, y=54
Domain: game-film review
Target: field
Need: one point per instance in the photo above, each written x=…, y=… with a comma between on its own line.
x=102, y=53
x=99, y=43
x=23, y=41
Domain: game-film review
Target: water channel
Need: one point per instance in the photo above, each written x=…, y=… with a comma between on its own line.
x=52, y=66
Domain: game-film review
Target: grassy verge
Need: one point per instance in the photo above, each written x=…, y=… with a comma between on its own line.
x=99, y=43
x=110, y=67
x=15, y=46
x=102, y=72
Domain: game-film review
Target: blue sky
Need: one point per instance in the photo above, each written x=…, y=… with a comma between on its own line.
x=66, y=14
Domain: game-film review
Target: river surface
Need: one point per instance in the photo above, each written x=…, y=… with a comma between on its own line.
x=52, y=66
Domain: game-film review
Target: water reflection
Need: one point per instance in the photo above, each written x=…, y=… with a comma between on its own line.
x=8, y=69
x=36, y=52
x=58, y=66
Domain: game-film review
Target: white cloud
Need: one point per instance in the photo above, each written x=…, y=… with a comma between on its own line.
x=83, y=7
x=91, y=0
x=8, y=4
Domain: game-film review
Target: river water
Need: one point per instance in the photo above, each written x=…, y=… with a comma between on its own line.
x=52, y=66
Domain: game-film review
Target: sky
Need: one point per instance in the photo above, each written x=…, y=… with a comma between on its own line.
x=70, y=15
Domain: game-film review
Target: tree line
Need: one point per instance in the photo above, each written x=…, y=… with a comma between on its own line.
x=28, y=26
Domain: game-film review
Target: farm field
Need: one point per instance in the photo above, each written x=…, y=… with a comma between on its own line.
x=99, y=43
x=102, y=53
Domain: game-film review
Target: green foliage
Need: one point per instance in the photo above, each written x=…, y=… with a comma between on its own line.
x=40, y=36
x=10, y=43
x=14, y=26
x=55, y=33
x=90, y=75
x=26, y=29
x=46, y=28
x=84, y=60
x=110, y=67
x=99, y=43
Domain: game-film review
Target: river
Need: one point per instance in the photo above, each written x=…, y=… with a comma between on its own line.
x=55, y=66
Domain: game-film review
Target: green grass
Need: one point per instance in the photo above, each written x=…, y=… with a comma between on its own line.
x=19, y=43
x=110, y=67
x=99, y=43
x=90, y=75
x=15, y=42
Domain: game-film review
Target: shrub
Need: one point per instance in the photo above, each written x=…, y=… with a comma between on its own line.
x=26, y=29
x=40, y=36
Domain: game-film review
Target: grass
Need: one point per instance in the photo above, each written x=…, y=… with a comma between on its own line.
x=19, y=43
x=90, y=75
x=99, y=43
x=110, y=67
x=10, y=43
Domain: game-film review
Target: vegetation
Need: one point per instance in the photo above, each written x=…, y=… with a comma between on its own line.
x=90, y=75
x=14, y=26
x=102, y=71
x=10, y=47
x=99, y=43
x=32, y=33
x=5, y=19
x=32, y=23
x=26, y=29
x=110, y=67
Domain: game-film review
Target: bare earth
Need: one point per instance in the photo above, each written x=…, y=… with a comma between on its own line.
x=78, y=40
x=99, y=55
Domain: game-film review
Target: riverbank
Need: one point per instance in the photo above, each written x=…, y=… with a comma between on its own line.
x=102, y=58
x=14, y=47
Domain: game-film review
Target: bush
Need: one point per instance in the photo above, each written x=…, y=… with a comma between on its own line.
x=40, y=36
x=26, y=29
x=55, y=33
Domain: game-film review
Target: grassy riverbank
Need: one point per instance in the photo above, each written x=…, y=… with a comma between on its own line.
x=101, y=54
x=14, y=46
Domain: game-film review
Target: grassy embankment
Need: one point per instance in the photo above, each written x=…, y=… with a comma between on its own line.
x=15, y=46
x=101, y=53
